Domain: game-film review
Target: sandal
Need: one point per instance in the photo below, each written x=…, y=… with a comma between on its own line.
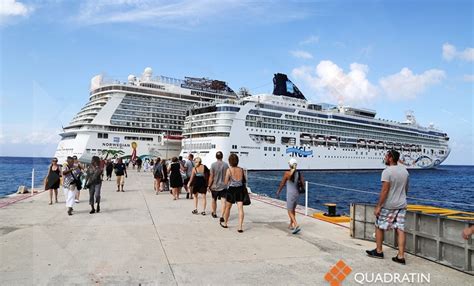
x=203, y=213
x=240, y=230
x=214, y=215
x=195, y=211
x=224, y=226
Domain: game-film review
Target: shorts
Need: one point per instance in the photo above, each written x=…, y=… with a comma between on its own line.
x=120, y=180
x=391, y=219
x=217, y=195
x=186, y=181
x=235, y=194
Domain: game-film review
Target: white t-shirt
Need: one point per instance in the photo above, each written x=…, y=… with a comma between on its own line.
x=397, y=176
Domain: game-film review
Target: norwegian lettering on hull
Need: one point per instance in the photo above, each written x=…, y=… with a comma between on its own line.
x=299, y=151
x=117, y=145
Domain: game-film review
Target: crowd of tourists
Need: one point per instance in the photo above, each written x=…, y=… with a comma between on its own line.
x=226, y=183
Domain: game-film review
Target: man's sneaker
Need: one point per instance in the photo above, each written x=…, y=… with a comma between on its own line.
x=77, y=201
x=373, y=253
x=398, y=260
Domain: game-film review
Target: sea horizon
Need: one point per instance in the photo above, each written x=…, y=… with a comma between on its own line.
x=452, y=165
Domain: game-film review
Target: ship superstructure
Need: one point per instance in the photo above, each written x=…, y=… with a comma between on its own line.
x=266, y=130
x=142, y=116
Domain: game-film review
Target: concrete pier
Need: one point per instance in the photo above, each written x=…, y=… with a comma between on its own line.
x=140, y=238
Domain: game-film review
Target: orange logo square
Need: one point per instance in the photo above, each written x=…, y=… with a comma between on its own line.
x=338, y=273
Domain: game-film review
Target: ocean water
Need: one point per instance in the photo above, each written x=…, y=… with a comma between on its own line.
x=16, y=171
x=446, y=186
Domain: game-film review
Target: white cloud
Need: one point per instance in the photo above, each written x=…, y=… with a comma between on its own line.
x=333, y=85
x=450, y=52
x=302, y=54
x=11, y=8
x=407, y=85
x=310, y=40
x=469, y=77
x=183, y=13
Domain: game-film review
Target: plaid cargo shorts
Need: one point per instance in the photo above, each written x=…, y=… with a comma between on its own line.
x=391, y=219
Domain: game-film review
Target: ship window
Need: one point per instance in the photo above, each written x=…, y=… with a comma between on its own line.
x=288, y=140
x=264, y=148
x=99, y=135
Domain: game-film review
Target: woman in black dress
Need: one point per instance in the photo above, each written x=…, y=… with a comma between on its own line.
x=52, y=180
x=176, y=181
x=108, y=169
x=198, y=182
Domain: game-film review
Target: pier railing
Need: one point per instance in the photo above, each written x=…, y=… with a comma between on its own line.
x=431, y=236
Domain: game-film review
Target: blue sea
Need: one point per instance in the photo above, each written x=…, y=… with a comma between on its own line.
x=446, y=186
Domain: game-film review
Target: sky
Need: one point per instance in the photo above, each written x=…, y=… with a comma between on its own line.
x=389, y=56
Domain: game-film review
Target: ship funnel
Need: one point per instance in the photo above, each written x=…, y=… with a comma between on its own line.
x=283, y=86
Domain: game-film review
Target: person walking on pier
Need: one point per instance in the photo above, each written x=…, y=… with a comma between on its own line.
x=120, y=172
x=53, y=179
x=139, y=164
x=109, y=169
x=94, y=183
x=294, y=183
x=78, y=174
x=391, y=209
x=165, y=187
x=157, y=174
x=235, y=180
x=217, y=185
x=176, y=181
x=69, y=183
x=198, y=184
x=187, y=168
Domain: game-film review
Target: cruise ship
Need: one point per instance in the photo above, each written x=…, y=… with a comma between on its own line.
x=140, y=117
x=266, y=130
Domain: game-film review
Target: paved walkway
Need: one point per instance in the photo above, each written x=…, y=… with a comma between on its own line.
x=141, y=238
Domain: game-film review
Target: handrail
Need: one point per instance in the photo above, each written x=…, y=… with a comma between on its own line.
x=372, y=193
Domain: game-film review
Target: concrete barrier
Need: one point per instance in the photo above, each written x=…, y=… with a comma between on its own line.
x=431, y=236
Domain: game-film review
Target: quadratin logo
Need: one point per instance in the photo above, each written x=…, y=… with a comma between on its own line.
x=338, y=273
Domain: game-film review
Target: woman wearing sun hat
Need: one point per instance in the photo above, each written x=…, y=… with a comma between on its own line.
x=294, y=182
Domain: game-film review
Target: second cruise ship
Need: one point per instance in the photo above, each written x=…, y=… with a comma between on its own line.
x=142, y=117
x=266, y=130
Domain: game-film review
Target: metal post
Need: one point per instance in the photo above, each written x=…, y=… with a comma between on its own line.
x=32, y=180
x=306, y=198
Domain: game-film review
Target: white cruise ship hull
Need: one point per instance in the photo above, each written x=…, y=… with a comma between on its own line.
x=262, y=148
x=253, y=157
x=87, y=144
